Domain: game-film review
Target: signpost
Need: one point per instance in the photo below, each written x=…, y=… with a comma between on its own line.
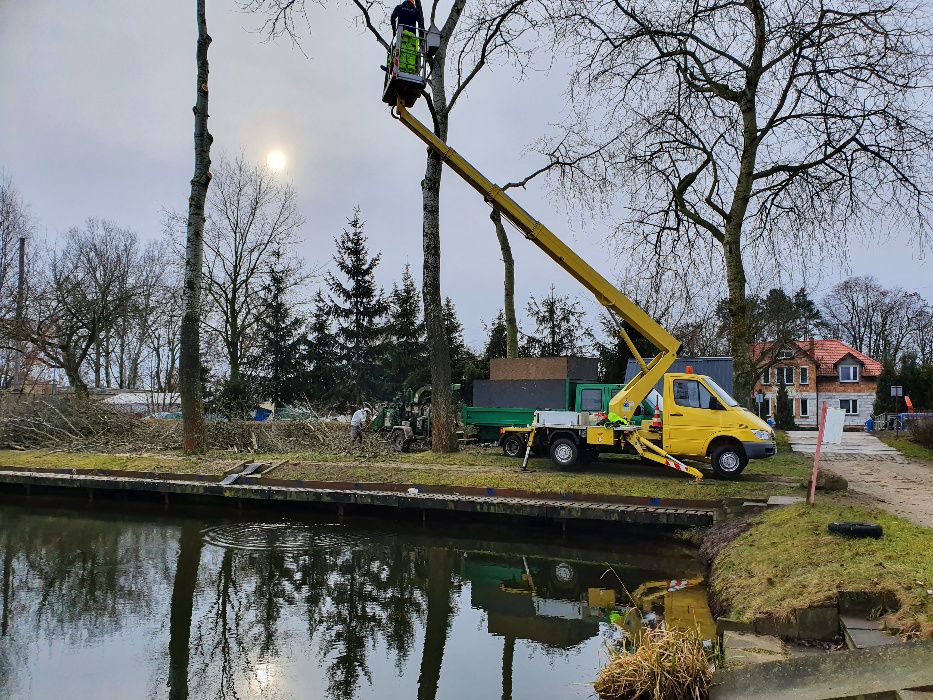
x=897, y=392
x=816, y=456
x=759, y=399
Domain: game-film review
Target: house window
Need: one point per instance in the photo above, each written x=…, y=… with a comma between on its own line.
x=848, y=373
x=804, y=375
x=766, y=376
x=850, y=406
x=804, y=408
x=785, y=375
x=785, y=354
x=591, y=400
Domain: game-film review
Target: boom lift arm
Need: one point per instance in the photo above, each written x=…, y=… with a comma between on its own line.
x=625, y=402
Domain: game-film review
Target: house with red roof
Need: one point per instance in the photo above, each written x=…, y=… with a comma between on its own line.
x=817, y=371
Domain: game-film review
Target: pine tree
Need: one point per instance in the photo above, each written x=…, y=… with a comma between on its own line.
x=319, y=353
x=406, y=354
x=496, y=338
x=277, y=364
x=465, y=365
x=359, y=309
x=558, y=322
x=784, y=410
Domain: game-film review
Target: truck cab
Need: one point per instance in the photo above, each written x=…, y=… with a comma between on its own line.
x=701, y=421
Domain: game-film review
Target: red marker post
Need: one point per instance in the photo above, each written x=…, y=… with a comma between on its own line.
x=816, y=457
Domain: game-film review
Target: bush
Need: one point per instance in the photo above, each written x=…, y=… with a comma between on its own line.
x=921, y=432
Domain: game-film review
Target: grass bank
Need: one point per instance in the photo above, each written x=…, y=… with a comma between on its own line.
x=474, y=466
x=907, y=447
x=788, y=560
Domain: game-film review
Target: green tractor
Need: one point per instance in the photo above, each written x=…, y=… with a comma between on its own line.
x=407, y=419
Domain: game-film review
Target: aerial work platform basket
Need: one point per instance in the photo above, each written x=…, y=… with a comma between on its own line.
x=407, y=65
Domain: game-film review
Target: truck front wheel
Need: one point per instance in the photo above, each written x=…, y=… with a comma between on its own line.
x=564, y=453
x=513, y=446
x=728, y=461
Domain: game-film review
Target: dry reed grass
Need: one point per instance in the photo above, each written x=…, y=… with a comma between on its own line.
x=668, y=664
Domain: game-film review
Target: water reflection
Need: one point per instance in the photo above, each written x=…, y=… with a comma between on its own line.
x=156, y=606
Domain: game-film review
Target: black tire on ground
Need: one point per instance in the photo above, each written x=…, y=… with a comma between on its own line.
x=728, y=461
x=399, y=441
x=564, y=454
x=856, y=529
x=513, y=446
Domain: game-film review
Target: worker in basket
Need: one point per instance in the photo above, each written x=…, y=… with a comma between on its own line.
x=407, y=15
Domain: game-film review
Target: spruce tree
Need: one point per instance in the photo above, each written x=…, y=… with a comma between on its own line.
x=559, y=321
x=359, y=310
x=784, y=410
x=496, y=338
x=276, y=365
x=319, y=353
x=406, y=353
x=465, y=365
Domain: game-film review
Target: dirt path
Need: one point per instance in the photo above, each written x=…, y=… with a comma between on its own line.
x=880, y=473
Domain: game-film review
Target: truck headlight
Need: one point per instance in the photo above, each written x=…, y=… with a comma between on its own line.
x=762, y=434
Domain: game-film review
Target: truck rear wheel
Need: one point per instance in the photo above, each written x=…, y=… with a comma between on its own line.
x=564, y=453
x=728, y=461
x=513, y=446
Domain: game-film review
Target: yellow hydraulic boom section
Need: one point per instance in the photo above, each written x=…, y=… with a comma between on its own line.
x=626, y=401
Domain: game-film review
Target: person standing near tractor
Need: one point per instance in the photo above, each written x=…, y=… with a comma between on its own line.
x=358, y=423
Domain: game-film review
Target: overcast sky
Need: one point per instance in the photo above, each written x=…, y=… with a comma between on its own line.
x=95, y=120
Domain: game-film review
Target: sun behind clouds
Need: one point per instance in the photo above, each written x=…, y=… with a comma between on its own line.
x=276, y=160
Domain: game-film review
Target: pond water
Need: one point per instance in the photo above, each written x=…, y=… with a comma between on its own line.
x=109, y=602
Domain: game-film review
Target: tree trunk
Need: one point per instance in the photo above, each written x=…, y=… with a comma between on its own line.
x=508, y=657
x=182, y=606
x=739, y=338
x=440, y=572
x=72, y=369
x=508, y=297
x=192, y=403
x=739, y=344
x=443, y=411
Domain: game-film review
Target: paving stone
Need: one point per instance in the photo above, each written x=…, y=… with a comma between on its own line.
x=865, y=639
x=784, y=500
x=758, y=642
x=840, y=674
x=853, y=622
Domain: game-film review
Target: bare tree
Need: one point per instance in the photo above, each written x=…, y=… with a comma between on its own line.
x=194, y=438
x=83, y=289
x=750, y=128
x=251, y=213
x=883, y=323
x=15, y=225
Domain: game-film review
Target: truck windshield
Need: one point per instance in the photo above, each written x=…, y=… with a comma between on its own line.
x=721, y=393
